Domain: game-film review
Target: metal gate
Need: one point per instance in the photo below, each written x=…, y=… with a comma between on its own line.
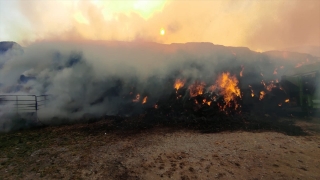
x=22, y=103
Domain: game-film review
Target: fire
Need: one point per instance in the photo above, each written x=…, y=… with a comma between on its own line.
x=252, y=93
x=144, y=100
x=228, y=87
x=196, y=88
x=262, y=94
x=209, y=103
x=137, y=98
x=178, y=84
x=270, y=86
x=241, y=72
x=287, y=100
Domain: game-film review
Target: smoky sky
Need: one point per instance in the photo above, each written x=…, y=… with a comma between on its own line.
x=259, y=25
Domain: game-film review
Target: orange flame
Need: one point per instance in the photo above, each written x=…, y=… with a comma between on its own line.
x=287, y=100
x=144, y=100
x=196, y=88
x=137, y=98
x=228, y=87
x=179, y=84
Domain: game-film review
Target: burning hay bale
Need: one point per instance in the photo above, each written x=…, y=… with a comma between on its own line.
x=181, y=84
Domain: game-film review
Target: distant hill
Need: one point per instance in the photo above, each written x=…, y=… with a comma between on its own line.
x=313, y=50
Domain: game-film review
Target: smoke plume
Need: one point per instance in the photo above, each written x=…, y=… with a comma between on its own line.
x=105, y=78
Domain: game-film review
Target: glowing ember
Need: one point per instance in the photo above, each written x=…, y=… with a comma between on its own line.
x=179, y=84
x=252, y=93
x=196, y=88
x=144, y=100
x=209, y=103
x=287, y=100
x=262, y=94
x=280, y=104
x=270, y=86
x=137, y=98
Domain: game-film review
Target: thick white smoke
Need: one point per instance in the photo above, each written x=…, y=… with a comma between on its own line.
x=103, y=77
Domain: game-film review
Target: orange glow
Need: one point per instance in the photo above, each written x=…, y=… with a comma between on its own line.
x=270, y=86
x=241, y=72
x=137, y=98
x=287, y=100
x=144, y=100
x=262, y=94
x=252, y=93
x=186, y=21
x=196, y=88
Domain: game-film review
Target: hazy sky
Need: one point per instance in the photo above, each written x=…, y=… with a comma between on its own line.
x=257, y=24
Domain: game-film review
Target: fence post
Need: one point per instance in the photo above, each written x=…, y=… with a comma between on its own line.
x=17, y=105
x=36, y=106
x=36, y=102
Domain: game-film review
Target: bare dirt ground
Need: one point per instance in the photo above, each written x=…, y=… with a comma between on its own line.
x=84, y=151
